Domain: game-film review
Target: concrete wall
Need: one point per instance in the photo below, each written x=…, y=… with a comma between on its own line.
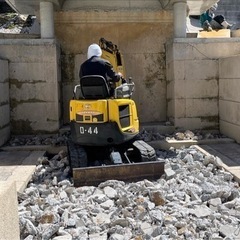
x=4, y=102
x=34, y=77
x=229, y=97
x=141, y=37
x=193, y=80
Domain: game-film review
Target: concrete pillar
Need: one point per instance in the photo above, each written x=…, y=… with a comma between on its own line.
x=46, y=20
x=180, y=18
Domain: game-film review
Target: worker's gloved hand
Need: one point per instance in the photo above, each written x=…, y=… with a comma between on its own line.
x=123, y=80
x=120, y=75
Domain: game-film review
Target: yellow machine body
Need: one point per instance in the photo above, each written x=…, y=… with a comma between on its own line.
x=101, y=111
x=103, y=122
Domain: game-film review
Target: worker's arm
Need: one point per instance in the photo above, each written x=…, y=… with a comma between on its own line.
x=115, y=77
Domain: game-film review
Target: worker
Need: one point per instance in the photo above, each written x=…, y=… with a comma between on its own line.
x=211, y=22
x=95, y=65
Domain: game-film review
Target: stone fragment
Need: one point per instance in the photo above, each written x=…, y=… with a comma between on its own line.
x=157, y=198
x=214, y=202
x=229, y=231
x=63, y=195
x=49, y=231
x=107, y=204
x=201, y=211
x=169, y=172
x=98, y=236
x=110, y=192
x=66, y=237
x=116, y=236
x=156, y=215
x=101, y=218
x=123, y=222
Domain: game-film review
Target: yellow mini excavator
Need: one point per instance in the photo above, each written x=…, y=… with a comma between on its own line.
x=104, y=130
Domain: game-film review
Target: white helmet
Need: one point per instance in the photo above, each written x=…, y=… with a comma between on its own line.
x=94, y=50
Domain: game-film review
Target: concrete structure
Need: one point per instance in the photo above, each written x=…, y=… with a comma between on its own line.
x=34, y=79
x=31, y=7
x=229, y=98
x=46, y=19
x=179, y=16
x=44, y=9
x=194, y=87
x=4, y=102
x=16, y=168
x=9, y=219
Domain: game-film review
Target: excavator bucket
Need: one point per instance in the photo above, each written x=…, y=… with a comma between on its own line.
x=92, y=176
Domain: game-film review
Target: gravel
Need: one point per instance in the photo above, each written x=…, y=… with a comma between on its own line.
x=194, y=199
x=145, y=134
x=148, y=135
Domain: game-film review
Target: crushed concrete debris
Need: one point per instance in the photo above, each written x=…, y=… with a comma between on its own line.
x=16, y=23
x=146, y=135
x=12, y=22
x=201, y=201
x=29, y=140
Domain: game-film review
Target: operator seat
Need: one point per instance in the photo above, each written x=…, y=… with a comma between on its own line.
x=94, y=87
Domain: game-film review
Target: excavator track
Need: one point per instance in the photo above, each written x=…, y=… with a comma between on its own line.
x=77, y=155
x=146, y=152
x=140, y=163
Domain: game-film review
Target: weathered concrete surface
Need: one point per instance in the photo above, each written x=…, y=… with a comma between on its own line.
x=34, y=79
x=36, y=148
x=195, y=7
x=9, y=221
x=228, y=155
x=193, y=80
x=4, y=102
x=16, y=169
x=229, y=98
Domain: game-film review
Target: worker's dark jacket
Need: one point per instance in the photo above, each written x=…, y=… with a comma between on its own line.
x=98, y=66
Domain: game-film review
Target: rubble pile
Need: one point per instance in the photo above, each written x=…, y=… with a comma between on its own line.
x=146, y=135
x=16, y=23
x=54, y=140
x=194, y=199
x=197, y=135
